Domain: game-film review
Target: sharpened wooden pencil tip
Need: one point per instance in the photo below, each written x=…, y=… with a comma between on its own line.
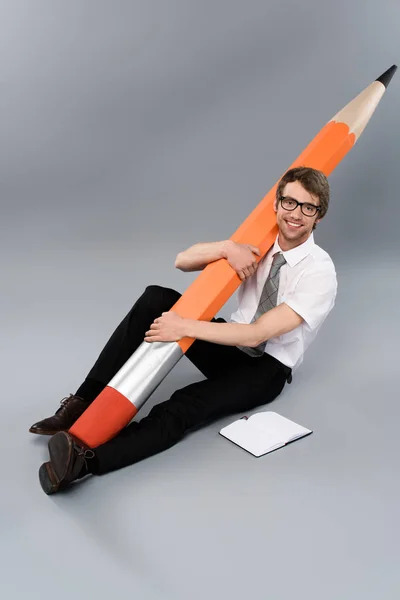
x=386, y=77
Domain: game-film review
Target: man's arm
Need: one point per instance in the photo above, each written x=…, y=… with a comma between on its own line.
x=275, y=322
x=241, y=257
x=197, y=257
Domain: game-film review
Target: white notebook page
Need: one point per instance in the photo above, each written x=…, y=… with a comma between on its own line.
x=254, y=440
x=275, y=424
x=263, y=432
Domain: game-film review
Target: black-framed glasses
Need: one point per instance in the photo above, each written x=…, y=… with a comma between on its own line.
x=308, y=209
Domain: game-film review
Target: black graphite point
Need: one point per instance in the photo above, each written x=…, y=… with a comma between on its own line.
x=386, y=77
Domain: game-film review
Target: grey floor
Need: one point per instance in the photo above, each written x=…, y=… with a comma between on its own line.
x=205, y=519
x=131, y=130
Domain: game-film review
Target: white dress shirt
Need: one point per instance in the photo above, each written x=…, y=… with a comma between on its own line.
x=307, y=283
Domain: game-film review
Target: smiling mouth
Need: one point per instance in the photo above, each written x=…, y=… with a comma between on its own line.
x=293, y=225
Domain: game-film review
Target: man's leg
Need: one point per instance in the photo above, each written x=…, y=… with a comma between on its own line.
x=239, y=389
x=123, y=342
x=248, y=384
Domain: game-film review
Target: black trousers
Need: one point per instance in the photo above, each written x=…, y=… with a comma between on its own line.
x=235, y=382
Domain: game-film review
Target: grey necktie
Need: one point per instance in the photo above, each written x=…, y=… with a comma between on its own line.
x=268, y=299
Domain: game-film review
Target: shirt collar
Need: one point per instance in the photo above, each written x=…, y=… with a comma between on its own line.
x=295, y=255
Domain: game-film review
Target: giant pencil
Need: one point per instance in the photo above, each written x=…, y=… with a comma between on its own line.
x=129, y=389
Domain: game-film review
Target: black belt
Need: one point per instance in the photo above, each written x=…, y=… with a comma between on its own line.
x=288, y=372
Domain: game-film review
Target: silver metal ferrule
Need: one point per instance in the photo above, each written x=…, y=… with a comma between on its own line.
x=145, y=369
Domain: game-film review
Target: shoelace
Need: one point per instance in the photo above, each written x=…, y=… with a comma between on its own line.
x=85, y=452
x=67, y=399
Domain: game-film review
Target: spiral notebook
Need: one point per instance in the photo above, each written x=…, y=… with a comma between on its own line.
x=263, y=432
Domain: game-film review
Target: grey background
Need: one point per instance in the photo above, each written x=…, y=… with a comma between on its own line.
x=131, y=130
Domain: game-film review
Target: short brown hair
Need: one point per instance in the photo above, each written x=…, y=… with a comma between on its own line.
x=312, y=180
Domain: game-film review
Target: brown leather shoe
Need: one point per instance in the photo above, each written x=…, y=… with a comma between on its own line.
x=72, y=407
x=68, y=462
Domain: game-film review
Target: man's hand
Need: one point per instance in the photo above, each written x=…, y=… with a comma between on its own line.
x=242, y=260
x=170, y=327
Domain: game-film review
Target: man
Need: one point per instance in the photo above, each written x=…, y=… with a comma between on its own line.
x=282, y=303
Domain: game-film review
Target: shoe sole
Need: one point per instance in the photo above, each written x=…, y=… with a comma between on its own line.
x=48, y=479
x=60, y=450
x=45, y=432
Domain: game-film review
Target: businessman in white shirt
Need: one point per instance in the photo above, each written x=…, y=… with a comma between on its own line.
x=246, y=361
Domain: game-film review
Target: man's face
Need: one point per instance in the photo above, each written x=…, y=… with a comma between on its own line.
x=294, y=227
